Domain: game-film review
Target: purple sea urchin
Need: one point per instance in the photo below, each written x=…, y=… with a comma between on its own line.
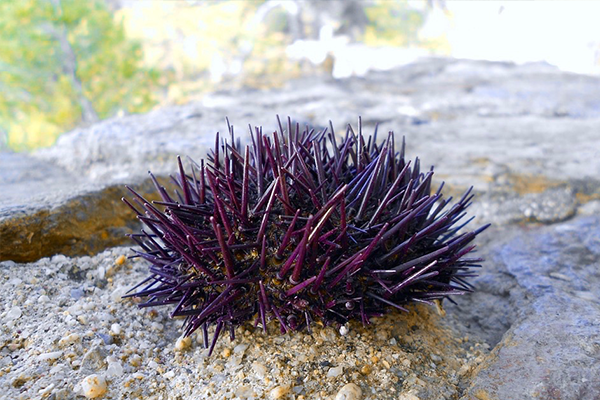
x=297, y=228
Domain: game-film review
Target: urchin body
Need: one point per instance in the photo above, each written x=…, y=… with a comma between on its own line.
x=299, y=227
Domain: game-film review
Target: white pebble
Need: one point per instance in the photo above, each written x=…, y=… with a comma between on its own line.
x=118, y=293
x=153, y=364
x=50, y=356
x=259, y=369
x=344, y=330
x=240, y=348
x=351, y=391
x=56, y=369
x=93, y=386
x=335, y=372
x=170, y=375
x=15, y=281
x=156, y=326
x=43, y=299
x=114, y=369
x=67, y=340
x=13, y=314
x=115, y=329
x=46, y=390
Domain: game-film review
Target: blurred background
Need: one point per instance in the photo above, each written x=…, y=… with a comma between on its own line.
x=70, y=63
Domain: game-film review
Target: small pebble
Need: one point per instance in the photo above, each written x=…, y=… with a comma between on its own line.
x=408, y=396
x=351, y=391
x=50, y=356
x=107, y=339
x=344, y=330
x=335, y=372
x=279, y=392
x=114, y=369
x=156, y=326
x=43, y=299
x=120, y=260
x=115, y=329
x=585, y=295
x=183, y=343
x=15, y=281
x=170, y=374
x=46, y=390
x=240, y=348
x=68, y=339
x=117, y=294
x=77, y=293
x=13, y=314
x=244, y=392
x=93, y=386
x=559, y=276
x=259, y=369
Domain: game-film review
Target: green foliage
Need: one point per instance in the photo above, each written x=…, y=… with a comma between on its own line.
x=392, y=23
x=63, y=63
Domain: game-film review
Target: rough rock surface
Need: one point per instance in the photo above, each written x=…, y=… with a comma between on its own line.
x=552, y=289
x=526, y=137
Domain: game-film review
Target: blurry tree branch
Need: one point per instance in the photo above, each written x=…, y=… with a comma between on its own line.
x=69, y=67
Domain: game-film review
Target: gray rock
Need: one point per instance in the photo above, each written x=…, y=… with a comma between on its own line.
x=511, y=131
x=552, y=353
x=525, y=136
x=545, y=288
x=84, y=221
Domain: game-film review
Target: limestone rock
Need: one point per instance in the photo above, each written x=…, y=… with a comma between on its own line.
x=506, y=129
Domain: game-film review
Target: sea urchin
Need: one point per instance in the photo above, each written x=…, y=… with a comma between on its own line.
x=299, y=227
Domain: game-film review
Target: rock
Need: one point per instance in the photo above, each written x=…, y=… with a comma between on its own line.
x=334, y=372
x=508, y=128
x=114, y=369
x=183, y=343
x=94, y=358
x=63, y=222
x=244, y=392
x=13, y=314
x=279, y=392
x=552, y=345
x=68, y=339
x=115, y=329
x=551, y=353
x=51, y=356
x=350, y=391
x=93, y=386
x=408, y=396
x=240, y=348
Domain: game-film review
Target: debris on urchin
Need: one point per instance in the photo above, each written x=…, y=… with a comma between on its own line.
x=299, y=227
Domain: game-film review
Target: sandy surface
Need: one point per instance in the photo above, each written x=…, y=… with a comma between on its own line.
x=66, y=333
